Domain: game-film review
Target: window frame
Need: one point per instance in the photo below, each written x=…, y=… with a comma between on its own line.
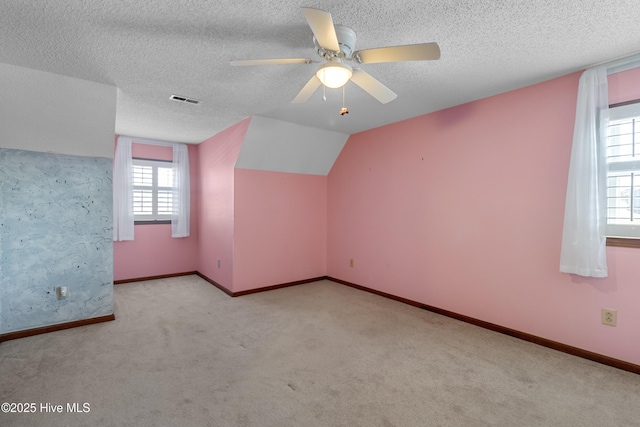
x=614, y=238
x=153, y=218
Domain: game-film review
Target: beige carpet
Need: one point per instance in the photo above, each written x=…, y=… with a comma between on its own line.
x=182, y=353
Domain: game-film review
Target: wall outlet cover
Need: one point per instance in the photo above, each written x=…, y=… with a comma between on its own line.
x=609, y=317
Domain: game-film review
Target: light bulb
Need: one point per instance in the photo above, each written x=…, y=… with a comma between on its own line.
x=334, y=74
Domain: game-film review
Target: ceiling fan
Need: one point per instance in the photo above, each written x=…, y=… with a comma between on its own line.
x=335, y=44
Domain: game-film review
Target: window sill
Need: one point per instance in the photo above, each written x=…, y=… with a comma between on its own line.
x=623, y=242
x=165, y=221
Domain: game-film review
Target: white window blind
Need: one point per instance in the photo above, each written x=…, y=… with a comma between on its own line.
x=152, y=190
x=623, y=171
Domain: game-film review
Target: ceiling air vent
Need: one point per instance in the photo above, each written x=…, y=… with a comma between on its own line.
x=179, y=98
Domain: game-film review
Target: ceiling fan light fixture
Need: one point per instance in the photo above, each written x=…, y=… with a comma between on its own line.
x=334, y=74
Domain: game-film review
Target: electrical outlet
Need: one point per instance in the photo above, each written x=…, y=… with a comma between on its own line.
x=62, y=292
x=218, y=263
x=351, y=263
x=609, y=317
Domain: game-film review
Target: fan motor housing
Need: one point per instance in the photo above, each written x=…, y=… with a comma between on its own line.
x=346, y=40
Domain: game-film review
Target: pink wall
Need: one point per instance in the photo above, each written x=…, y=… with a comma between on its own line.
x=217, y=159
x=155, y=152
x=153, y=252
x=624, y=86
x=280, y=228
x=462, y=209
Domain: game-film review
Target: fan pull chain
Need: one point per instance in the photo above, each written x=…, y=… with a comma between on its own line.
x=324, y=88
x=344, y=110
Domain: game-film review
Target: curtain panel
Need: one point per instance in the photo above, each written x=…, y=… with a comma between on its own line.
x=123, y=191
x=181, y=192
x=584, y=236
x=585, y=218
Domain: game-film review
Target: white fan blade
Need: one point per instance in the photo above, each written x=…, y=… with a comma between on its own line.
x=412, y=52
x=322, y=26
x=307, y=90
x=283, y=61
x=372, y=86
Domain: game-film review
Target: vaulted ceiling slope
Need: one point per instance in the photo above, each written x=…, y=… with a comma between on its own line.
x=274, y=145
x=153, y=49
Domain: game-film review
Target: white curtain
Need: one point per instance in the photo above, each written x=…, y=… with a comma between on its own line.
x=181, y=189
x=123, y=191
x=585, y=220
x=123, y=188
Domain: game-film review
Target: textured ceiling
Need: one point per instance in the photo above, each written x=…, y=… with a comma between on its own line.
x=153, y=49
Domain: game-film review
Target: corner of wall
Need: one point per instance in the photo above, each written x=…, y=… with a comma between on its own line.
x=217, y=157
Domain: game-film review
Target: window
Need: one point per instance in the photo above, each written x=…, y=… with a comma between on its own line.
x=623, y=175
x=152, y=190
